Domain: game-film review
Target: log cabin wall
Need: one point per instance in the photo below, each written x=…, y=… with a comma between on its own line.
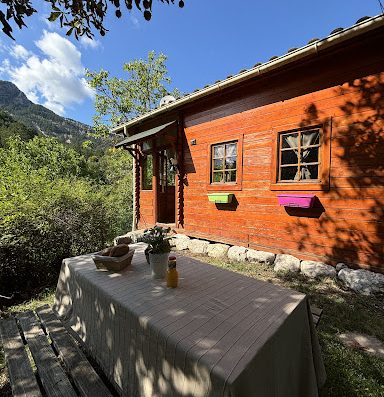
x=147, y=215
x=344, y=88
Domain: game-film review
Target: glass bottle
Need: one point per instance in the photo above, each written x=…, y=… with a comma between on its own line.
x=172, y=274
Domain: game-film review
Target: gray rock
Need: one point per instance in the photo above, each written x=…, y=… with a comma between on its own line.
x=340, y=266
x=362, y=281
x=177, y=237
x=122, y=240
x=181, y=243
x=237, y=253
x=317, y=269
x=260, y=257
x=286, y=263
x=368, y=343
x=217, y=250
x=135, y=235
x=198, y=246
x=182, y=236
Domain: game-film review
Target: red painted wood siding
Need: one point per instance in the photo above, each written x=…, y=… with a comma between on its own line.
x=346, y=86
x=146, y=217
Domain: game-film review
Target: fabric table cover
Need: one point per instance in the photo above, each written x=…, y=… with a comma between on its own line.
x=218, y=334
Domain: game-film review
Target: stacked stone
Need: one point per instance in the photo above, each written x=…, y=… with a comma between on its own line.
x=360, y=281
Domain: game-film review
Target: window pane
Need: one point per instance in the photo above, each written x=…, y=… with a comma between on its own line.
x=310, y=155
x=230, y=176
x=218, y=151
x=289, y=157
x=230, y=149
x=290, y=140
x=289, y=173
x=311, y=137
x=217, y=177
x=230, y=162
x=218, y=164
x=147, y=172
x=309, y=172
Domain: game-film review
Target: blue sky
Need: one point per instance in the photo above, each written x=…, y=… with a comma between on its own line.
x=205, y=41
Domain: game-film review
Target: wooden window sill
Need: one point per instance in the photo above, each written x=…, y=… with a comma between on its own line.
x=223, y=187
x=299, y=186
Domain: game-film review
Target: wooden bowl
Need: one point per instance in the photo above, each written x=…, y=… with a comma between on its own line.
x=112, y=263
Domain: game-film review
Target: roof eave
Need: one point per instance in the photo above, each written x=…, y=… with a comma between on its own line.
x=303, y=52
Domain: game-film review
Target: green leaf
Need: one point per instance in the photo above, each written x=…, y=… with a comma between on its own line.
x=54, y=16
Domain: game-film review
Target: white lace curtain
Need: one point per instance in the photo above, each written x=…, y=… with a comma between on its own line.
x=307, y=139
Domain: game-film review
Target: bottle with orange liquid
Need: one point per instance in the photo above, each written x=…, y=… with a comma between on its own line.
x=172, y=274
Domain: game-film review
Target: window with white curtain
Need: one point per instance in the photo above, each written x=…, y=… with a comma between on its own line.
x=299, y=156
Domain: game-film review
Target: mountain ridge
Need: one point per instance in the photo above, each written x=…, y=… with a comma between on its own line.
x=14, y=102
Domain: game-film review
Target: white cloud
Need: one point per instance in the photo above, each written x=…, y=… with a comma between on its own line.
x=86, y=42
x=55, y=78
x=19, y=52
x=4, y=67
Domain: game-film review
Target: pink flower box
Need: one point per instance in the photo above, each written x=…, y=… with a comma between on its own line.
x=296, y=200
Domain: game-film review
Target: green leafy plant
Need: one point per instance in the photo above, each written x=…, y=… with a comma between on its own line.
x=118, y=100
x=78, y=17
x=157, y=239
x=56, y=203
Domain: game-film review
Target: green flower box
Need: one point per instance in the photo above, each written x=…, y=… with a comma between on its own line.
x=220, y=198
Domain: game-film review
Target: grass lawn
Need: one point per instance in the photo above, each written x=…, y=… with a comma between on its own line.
x=350, y=372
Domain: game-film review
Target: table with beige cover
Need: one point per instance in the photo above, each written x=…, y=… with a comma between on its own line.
x=218, y=334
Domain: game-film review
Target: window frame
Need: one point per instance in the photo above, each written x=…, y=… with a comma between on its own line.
x=226, y=186
x=322, y=183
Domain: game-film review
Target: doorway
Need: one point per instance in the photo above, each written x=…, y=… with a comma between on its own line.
x=166, y=187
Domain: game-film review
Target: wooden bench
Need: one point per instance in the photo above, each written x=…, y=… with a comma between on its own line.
x=316, y=315
x=42, y=342
x=62, y=369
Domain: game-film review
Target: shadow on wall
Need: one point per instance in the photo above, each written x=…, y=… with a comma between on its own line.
x=354, y=216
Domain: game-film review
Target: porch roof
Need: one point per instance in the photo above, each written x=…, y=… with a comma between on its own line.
x=141, y=136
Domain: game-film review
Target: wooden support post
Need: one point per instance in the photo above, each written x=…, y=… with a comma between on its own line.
x=155, y=178
x=137, y=188
x=180, y=176
x=134, y=194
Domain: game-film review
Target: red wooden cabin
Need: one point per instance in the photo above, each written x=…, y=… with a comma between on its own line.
x=308, y=122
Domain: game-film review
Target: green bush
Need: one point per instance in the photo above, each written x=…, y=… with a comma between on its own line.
x=52, y=206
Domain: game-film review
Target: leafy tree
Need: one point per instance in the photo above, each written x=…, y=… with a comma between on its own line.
x=80, y=17
x=118, y=100
x=55, y=203
x=10, y=127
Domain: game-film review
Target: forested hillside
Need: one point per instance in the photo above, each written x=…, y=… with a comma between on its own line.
x=10, y=127
x=15, y=103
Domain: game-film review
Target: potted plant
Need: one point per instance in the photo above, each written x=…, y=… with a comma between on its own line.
x=158, y=249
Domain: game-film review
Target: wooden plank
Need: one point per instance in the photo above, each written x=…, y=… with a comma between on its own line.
x=316, y=320
x=21, y=376
x=316, y=314
x=52, y=375
x=316, y=311
x=82, y=373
